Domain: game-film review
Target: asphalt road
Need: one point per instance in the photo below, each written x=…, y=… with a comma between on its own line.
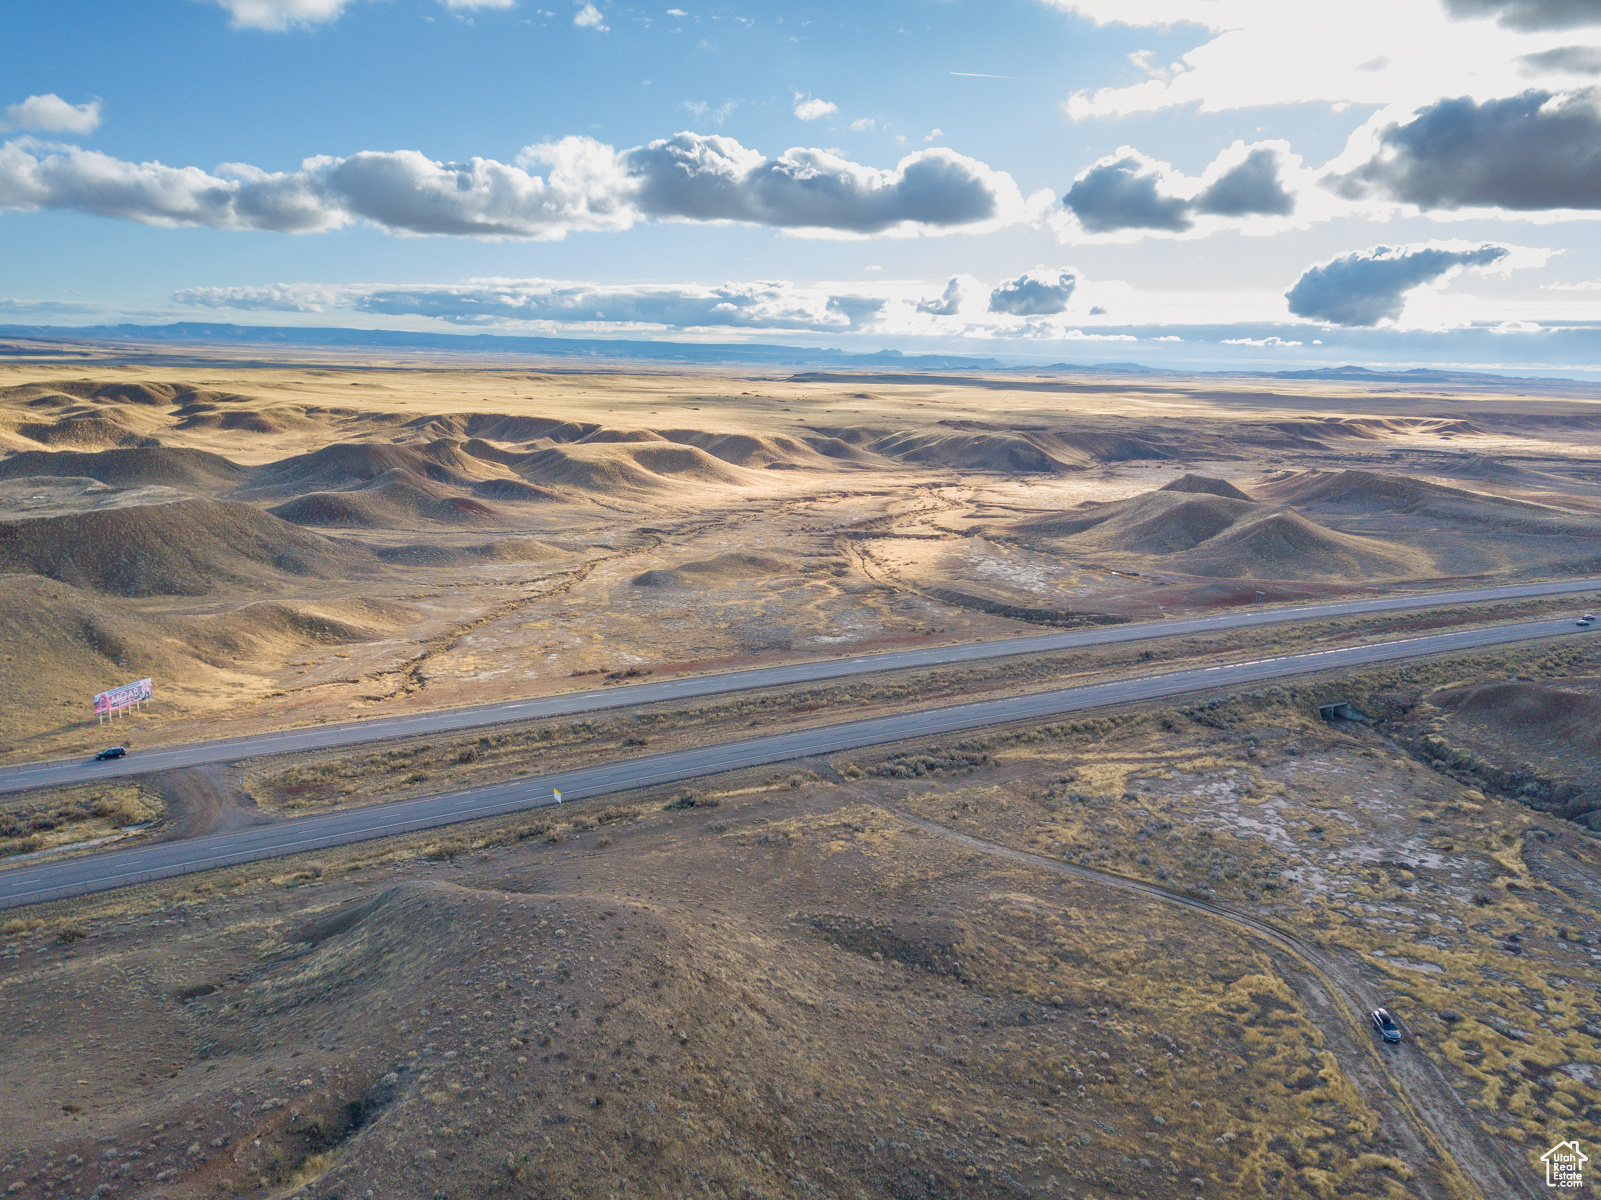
x=120, y=868
x=323, y=737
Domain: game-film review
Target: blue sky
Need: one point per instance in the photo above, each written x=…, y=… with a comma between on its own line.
x=1207, y=182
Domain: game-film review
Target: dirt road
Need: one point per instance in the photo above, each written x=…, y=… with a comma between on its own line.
x=1401, y=1081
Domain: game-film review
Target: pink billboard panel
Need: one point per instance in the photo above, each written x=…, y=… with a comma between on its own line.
x=119, y=698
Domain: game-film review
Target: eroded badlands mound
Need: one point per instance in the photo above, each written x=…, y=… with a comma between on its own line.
x=185, y=548
x=542, y=527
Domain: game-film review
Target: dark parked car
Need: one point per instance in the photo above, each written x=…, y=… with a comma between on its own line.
x=1386, y=1027
x=113, y=752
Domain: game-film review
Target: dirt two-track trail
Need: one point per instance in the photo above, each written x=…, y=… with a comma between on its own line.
x=1404, y=1084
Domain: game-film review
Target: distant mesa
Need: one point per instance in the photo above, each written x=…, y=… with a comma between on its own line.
x=241, y=421
x=1371, y=491
x=980, y=446
x=186, y=548
x=1199, y=532
x=347, y=465
x=393, y=500
x=1159, y=522
x=1205, y=485
x=165, y=466
x=1282, y=544
x=622, y=467
x=86, y=433
x=754, y=451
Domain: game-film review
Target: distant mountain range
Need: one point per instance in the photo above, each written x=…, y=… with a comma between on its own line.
x=202, y=333
x=197, y=333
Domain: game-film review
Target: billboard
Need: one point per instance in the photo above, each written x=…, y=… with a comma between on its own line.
x=107, y=703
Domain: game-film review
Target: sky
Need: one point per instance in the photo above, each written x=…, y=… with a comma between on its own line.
x=1193, y=183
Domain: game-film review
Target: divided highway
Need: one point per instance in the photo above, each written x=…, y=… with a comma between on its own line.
x=324, y=737
x=120, y=868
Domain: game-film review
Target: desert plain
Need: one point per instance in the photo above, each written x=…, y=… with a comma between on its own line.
x=908, y=971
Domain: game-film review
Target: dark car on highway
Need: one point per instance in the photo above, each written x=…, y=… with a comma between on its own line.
x=1386, y=1027
x=112, y=752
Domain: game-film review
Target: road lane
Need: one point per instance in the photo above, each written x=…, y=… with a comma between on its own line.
x=40, y=882
x=325, y=737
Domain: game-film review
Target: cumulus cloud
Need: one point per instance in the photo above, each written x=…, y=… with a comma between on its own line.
x=36, y=176
x=1535, y=151
x=1530, y=14
x=278, y=15
x=948, y=303
x=541, y=303
x=49, y=113
x=810, y=110
x=699, y=178
x=1032, y=305
x=407, y=192
x=590, y=17
x=1250, y=188
x=760, y=305
x=272, y=297
x=1042, y=292
x=1370, y=286
x=553, y=189
x=1128, y=194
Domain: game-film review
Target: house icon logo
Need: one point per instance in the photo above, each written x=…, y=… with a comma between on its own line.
x=1564, y=1165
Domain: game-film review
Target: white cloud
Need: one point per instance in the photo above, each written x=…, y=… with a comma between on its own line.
x=1246, y=341
x=1256, y=188
x=864, y=124
x=272, y=297
x=553, y=189
x=810, y=110
x=1534, y=153
x=952, y=300
x=676, y=12
x=590, y=17
x=278, y=15
x=1373, y=286
x=49, y=113
x=1042, y=292
x=1030, y=306
x=963, y=307
x=538, y=302
x=1271, y=52
x=700, y=178
x=40, y=176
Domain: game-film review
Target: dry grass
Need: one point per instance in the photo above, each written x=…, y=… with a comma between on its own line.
x=41, y=821
x=766, y=518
